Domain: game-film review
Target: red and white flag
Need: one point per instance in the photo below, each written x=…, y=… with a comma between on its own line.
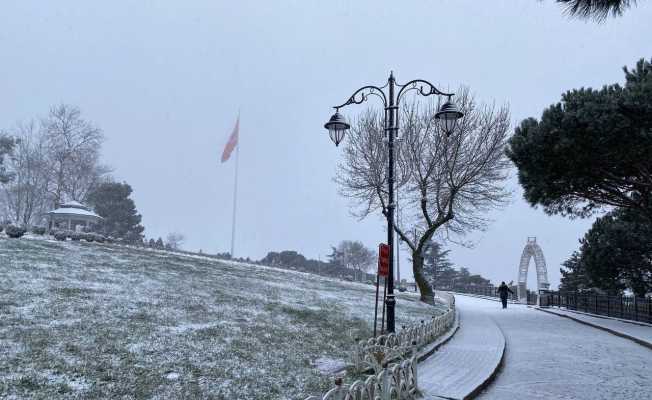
x=233, y=141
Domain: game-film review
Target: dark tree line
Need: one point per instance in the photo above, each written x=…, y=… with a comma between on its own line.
x=293, y=260
x=442, y=273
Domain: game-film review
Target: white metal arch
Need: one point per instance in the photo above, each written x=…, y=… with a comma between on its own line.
x=532, y=250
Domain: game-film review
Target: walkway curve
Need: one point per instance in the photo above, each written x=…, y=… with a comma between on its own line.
x=464, y=365
x=548, y=357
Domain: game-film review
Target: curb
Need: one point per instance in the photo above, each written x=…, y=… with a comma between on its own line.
x=494, y=373
x=488, y=379
x=613, y=332
x=627, y=321
x=445, y=338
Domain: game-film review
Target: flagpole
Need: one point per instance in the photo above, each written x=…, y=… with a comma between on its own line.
x=235, y=190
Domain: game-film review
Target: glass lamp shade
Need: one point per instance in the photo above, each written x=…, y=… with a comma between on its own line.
x=337, y=127
x=448, y=114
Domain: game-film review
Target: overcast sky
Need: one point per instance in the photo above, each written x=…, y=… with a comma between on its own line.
x=165, y=81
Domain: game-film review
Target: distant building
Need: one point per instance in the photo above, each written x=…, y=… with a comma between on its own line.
x=73, y=215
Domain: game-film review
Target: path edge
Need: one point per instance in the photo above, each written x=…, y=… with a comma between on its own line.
x=499, y=366
x=643, y=343
x=445, y=338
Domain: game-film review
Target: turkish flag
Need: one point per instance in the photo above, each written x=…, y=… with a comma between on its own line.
x=233, y=141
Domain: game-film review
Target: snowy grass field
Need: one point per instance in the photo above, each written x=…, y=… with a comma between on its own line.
x=89, y=321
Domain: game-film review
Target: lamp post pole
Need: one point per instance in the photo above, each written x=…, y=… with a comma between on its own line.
x=337, y=127
x=390, y=128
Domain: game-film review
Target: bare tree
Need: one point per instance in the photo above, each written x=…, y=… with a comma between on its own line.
x=73, y=148
x=447, y=183
x=353, y=255
x=175, y=240
x=25, y=196
x=52, y=160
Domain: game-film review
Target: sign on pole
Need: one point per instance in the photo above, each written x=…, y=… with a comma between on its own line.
x=383, y=259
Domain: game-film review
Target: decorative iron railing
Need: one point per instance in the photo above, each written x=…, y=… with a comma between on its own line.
x=623, y=307
x=397, y=381
x=407, y=338
x=393, y=360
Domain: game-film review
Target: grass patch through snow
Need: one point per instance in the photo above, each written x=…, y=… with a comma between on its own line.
x=90, y=321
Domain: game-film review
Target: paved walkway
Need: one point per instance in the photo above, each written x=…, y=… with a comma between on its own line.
x=549, y=357
x=638, y=331
x=467, y=360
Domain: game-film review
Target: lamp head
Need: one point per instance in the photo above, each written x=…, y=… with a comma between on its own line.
x=337, y=127
x=448, y=114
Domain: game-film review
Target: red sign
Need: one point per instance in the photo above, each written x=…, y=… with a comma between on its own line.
x=383, y=259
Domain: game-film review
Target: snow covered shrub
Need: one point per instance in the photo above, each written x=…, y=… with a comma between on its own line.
x=38, y=230
x=14, y=231
x=93, y=237
x=76, y=236
x=60, y=235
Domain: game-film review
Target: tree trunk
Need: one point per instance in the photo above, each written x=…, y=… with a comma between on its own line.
x=427, y=295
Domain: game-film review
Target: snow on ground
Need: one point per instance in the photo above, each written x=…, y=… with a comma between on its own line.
x=550, y=357
x=638, y=330
x=466, y=361
x=80, y=320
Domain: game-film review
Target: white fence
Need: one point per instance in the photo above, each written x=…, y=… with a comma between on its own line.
x=393, y=358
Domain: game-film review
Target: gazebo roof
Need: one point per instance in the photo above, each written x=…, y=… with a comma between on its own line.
x=74, y=204
x=74, y=208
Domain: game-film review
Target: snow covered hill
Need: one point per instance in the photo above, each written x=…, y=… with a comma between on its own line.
x=80, y=320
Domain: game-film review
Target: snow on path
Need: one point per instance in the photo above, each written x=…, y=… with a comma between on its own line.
x=467, y=361
x=640, y=330
x=548, y=357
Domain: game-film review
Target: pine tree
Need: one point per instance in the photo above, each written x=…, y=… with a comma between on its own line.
x=435, y=261
x=111, y=201
x=573, y=275
x=597, y=9
x=159, y=243
x=6, y=148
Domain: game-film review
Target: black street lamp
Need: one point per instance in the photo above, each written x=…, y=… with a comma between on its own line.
x=337, y=126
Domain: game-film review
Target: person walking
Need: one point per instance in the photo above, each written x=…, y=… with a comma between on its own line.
x=503, y=291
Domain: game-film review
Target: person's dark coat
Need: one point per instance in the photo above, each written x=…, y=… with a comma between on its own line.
x=503, y=289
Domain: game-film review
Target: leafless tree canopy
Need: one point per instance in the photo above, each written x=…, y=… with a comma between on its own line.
x=73, y=147
x=354, y=255
x=446, y=183
x=53, y=160
x=175, y=240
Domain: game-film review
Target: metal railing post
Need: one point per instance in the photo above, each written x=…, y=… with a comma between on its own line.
x=596, y=304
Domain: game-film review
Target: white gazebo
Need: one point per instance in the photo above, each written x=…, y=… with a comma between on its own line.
x=73, y=215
